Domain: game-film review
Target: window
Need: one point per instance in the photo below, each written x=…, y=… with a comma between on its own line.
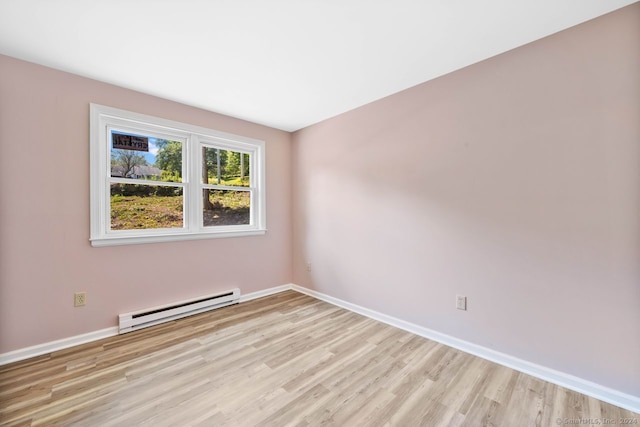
x=155, y=180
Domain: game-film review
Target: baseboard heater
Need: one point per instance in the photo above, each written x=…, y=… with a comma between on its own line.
x=153, y=316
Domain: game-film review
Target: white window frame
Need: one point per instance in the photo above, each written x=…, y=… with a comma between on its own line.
x=104, y=118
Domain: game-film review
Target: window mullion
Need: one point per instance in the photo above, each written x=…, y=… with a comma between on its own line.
x=112, y=180
x=194, y=205
x=225, y=187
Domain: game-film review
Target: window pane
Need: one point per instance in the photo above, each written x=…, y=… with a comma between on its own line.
x=226, y=207
x=224, y=167
x=144, y=157
x=135, y=206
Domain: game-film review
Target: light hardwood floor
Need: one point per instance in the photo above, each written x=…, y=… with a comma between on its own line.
x=286, y=359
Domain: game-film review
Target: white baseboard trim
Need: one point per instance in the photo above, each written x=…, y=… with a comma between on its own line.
x=49, y=347
x=265, y=292
x=606, y=394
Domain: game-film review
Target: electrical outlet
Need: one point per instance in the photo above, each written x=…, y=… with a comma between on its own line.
x=309, y=267
x=461, y=302
x=79, y=299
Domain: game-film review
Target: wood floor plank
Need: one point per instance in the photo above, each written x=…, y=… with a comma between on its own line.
x=286, y=359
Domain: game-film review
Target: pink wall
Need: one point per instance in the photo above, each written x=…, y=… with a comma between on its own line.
x=44, y=215
x=515, y=182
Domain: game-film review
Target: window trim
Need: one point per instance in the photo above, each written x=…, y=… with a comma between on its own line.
x=103, y=118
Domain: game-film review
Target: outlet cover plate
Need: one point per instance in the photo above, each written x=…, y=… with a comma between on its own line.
x=79, y=299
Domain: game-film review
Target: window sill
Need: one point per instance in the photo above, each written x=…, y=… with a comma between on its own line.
x=136, y=240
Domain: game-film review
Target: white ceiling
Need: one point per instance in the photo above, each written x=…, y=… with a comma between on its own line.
x=282, y=63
